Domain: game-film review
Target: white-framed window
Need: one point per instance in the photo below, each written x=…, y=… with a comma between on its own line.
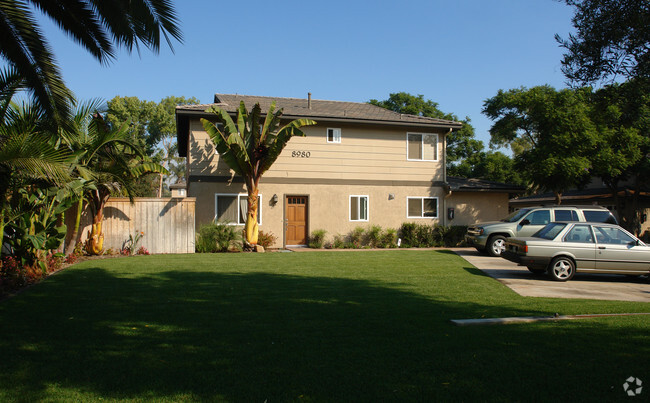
x=231, y=208
x=358, y=208
x=422, y=207
x=421, y=147
x=333, y=135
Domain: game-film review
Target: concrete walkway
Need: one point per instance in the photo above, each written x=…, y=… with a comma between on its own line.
x=589, y=286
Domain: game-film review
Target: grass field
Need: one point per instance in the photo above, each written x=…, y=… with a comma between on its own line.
x=325, y=326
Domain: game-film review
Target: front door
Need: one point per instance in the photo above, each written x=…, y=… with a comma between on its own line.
x=296, y=221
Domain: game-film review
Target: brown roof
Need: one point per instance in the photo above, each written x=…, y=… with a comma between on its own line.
x=319, y=110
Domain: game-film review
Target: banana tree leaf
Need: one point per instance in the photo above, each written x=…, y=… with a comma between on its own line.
x=223, y=148
x=283, y=137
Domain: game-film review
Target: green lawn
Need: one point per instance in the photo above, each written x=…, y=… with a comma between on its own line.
x=326, y=326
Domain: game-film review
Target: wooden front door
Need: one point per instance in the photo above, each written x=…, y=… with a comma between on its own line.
x=296, y=221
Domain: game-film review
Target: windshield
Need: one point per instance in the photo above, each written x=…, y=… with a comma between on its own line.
x=550, y=231
x=516, y=215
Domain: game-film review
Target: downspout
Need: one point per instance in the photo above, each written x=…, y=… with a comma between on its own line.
x=445, y=220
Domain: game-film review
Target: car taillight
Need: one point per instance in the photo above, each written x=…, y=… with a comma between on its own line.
x=524, y=248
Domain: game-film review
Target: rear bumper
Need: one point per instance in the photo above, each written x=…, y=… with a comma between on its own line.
x=528, y=261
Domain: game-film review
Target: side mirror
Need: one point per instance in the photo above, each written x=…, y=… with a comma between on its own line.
x=524, y=222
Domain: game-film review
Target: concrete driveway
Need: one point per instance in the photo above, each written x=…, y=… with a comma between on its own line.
x=589, y=286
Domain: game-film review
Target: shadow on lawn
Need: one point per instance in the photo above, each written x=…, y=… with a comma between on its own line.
x=257, y=336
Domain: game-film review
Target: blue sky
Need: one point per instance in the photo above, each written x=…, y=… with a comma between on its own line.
x=457, y=53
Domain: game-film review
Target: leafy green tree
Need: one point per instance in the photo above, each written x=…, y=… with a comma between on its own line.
x=557, y=127
x=488, y=165
x=99, y=26
x=612, y=40
x=250, y=148
x=461, y=143
x=153, y=127
x=622, y=114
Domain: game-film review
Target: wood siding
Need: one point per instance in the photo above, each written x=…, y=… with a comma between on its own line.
x=363, y=154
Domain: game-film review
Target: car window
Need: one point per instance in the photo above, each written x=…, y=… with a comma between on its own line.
x=550, y=231
x=579, y=233
x=612, y=236
x=599, y=216
x=566, y=215
x=515, y=215
x=539, y=217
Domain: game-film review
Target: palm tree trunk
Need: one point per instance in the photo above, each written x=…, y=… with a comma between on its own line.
x=75, y=230
x=251, y=229
x=95, y=243
x=558, y=198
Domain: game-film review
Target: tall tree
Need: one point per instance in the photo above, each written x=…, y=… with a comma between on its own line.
x=153, y=127
x=250, y=148
x=612, y=40
x=622, y=114
x=461, y=143
x=99, y=26
x=557, y=127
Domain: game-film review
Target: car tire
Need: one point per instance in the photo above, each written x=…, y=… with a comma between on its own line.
x=536, y=270
x=562, y=268
x=496, y=245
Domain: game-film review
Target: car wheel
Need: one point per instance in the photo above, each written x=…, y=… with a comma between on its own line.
x=496, y=245
x=536, y=270
x=562, y=268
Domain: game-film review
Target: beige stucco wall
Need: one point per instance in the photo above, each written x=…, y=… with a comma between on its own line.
x=328, y=205
x=475, y=207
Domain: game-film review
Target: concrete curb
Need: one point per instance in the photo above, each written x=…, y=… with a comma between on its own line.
x=530, y=319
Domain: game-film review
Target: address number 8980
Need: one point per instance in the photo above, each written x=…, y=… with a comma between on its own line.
x=301, y=154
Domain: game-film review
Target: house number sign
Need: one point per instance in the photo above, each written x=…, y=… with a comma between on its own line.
x=301, y=154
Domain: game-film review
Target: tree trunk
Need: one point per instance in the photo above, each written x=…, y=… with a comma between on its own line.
x=75, y=230
x=95, y=242
x=251, y=229
x=558, y=198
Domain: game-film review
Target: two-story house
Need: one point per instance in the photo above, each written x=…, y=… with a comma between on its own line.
x=360, y=165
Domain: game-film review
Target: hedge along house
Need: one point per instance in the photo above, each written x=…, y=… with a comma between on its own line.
x=360, y=165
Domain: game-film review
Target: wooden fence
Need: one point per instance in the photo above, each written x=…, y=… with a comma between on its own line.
x=167, y=224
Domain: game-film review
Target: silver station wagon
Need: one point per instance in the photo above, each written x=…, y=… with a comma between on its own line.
x=563, y=248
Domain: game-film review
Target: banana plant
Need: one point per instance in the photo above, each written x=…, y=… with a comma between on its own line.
x=250, y=147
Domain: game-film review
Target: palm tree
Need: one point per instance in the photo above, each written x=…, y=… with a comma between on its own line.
x=110, y=162
x=97, y=25
x=26, y=155
x=251, y=147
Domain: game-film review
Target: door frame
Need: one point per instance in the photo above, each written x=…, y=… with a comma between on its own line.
x=285, y=220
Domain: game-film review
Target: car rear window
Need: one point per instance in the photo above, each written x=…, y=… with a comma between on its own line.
x=566, y=215
x=599, y=216
x=550, y=231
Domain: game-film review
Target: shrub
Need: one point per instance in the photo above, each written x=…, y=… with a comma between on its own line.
x=356, y=237
x=317, y=238
x=71, y=258
x=54, y=261
x=217, y=237
x=142, y=251
x=266, y=239
x=389, y=238
x=338, y=242
x=373, y=237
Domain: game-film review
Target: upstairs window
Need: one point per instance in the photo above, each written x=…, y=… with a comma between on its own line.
x=421, y=147
x=333, y=135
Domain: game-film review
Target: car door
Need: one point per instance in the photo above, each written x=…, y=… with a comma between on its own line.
x=579, y=242
x=533, y=222
x=616, y=250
